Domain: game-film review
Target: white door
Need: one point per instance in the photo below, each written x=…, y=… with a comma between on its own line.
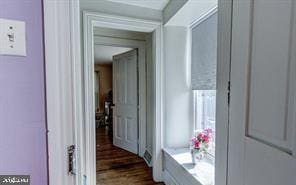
x=125, y=95
x=262, y=140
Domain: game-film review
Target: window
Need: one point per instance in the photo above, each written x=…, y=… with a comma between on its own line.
x=203, y=74
x=205, y=113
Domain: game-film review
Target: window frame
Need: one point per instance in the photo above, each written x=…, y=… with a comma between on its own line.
x=209, y=156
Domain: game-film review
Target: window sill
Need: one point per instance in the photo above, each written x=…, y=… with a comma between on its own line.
x=203, y=171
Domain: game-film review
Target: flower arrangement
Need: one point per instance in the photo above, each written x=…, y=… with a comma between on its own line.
x=200, y=144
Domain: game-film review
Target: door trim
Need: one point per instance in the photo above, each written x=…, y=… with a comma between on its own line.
x=141, y=46
x=223, y=90
x=63, y=89
x=91, y=20
x=63, y=68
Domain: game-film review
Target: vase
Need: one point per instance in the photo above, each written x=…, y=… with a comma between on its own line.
x=196, y=156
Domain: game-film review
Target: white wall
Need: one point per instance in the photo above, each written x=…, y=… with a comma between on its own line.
x=178, y=94
x=186, y=12
x=172, y=8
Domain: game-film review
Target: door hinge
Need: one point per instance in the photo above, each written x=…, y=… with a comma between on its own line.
x=228, y=93
x=71, y=160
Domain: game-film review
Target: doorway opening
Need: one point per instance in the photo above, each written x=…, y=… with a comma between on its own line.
x=103, y=82
x=116, y=101
x=123, y=141
x=145, y=37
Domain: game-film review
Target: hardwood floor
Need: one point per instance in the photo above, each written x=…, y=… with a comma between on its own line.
x=116, y=166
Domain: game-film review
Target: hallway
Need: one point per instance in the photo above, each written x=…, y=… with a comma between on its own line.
x=119, y=167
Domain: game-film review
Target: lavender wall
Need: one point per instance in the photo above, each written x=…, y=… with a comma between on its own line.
x=22, y=103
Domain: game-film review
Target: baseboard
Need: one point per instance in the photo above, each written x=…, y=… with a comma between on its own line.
x=148, y=158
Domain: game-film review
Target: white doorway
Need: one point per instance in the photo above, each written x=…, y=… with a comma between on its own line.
x=140, y=145
x=117, y=46
x=116, y=94
x=65, y=68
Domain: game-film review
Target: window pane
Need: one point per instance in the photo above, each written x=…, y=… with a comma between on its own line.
x=205, y=112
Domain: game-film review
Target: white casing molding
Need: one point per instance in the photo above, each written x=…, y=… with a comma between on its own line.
x=91, y=20
x=223, y=79
x=63, y=88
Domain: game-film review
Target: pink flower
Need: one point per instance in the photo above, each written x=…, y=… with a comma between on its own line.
x=200, y=135
x=202, y=140
x=206, y=138
x=197, y=145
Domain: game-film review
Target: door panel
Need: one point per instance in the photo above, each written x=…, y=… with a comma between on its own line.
x=118, y=129
x=270, y=62
x=267, y=165
x=262, y=109
x=126, y=101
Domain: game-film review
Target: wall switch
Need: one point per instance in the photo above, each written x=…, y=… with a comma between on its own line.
x=12, y=37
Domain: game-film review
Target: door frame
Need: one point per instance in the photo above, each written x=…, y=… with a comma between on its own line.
x=63, y=68
x=223, y=90
x=141, y=91
x=90, y=21
x=63, y=79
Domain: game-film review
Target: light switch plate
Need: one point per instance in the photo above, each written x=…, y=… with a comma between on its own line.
x=12, y=37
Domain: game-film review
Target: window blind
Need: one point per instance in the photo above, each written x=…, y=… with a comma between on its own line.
x=204, y=54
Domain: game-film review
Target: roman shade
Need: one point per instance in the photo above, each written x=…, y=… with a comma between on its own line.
x=204, y=54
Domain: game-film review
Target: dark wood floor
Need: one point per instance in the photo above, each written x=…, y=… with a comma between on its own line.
x=116, y=166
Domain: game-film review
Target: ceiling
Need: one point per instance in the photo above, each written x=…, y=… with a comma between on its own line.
x=104, y=54
x=153, y=4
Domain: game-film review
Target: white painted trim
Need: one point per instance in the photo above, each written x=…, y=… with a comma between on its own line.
x=89, y=105
x=121, y=22
x=204, y=17
x=223, y=77
x=157, y=155
x=91, y=20
x=77, y=85
x=63, y=85
x=141, y=46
